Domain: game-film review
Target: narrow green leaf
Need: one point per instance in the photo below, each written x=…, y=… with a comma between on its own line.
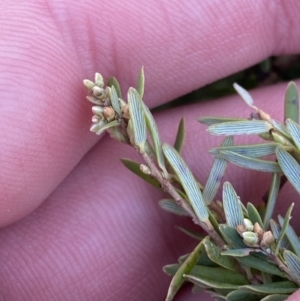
x=185, y=268
x=266, y=136
x=254, y=150
x=289, y=166
x=171, y=269
x=203, y=259
x=275, y=297
x=141, y=82
x=293, y=262
x=115, y=100
x=232, y=208
x=112, y=81
x=284, y=227
x=291, y=236
x=152, y=128
x=239, y=295
x=245, y=95
x=294, y=130
x=281, y=128
x=210, y=283
x=261, y=265
x=272, y=197
x=283, y=141
x=253, y=215
x=171, y=206
x=214, y=253
x=251, y=163
x=135, y=168
x=216, y=120
x=231, y=236
x=180, y=136
x=266, y=278
x=279, y=287
x=291, y=103
x=214, y=222
x=188, y=182
x=276, y=230
x=245, y=127
x=218, y=274
x=137, y=118
x=191, y=233
x=216, y=174
x=238, y=252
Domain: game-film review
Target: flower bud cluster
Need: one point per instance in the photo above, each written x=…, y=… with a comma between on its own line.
x=103, y=110
x=254, y=236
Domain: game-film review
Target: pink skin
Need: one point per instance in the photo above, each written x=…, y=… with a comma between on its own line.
x=90, y=229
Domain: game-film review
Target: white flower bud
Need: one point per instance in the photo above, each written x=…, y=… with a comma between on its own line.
x=250, y=239
x=97, y=126
x=99, y=80
x=97, y=110
x=248, y=224
x=95, y=119
x=88, y=84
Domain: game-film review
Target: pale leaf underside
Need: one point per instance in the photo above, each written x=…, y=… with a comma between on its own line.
x=216, y=174
x=294, y=130
x=254, y=151
x=293, y=262
x=137, y=118
x=289, y=166
x=216, y=120
x=171, y=206
x=245, y=127
x=251, y=163
x=188, y=182
x=232, y=208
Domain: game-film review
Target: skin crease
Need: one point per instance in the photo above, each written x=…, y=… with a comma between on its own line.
x=76, y=224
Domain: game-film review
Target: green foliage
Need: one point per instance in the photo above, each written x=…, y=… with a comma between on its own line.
x=246, y=254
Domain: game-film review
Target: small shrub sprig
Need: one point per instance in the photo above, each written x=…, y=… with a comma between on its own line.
x=247, y=254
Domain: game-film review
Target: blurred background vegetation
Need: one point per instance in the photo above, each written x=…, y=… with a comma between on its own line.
x=269, y=71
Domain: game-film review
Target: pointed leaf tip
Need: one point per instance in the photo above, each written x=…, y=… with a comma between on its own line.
x=245, y=95
x=291, y=103
x=141, y=82
x=180, y=136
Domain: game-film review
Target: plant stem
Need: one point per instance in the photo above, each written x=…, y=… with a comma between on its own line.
x=170, y=189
